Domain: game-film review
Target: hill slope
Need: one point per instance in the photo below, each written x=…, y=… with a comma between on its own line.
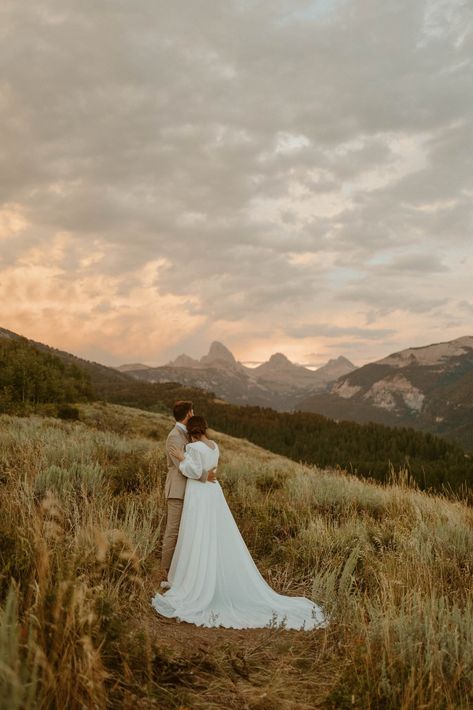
x=82, y=513
x=430, y=388
x=29, y=376
x=100, y=376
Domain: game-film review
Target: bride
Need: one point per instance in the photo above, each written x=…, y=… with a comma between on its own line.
x=214, y=581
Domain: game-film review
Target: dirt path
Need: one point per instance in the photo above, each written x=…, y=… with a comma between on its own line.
x=253, y=669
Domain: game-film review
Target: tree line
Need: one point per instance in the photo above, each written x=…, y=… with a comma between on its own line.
x=368, y=450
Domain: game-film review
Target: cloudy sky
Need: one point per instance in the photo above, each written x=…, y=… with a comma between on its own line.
x=280, y=175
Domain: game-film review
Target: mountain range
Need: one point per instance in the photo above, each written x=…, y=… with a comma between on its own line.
x=277, y=383
x=429, y=388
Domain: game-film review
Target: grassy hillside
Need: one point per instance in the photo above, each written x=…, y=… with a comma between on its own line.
x=82, y=516
x=369, y=450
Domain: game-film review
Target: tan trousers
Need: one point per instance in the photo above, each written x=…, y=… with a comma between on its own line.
x=171, y=532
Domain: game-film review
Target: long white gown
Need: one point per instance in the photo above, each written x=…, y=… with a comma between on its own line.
x=214, y=581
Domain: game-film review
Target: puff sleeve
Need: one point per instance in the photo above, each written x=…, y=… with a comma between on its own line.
x=191, y=466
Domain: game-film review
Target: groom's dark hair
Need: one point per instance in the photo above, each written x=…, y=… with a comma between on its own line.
x=181, y=409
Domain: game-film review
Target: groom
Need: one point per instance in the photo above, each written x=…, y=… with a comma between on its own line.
x=175, y=486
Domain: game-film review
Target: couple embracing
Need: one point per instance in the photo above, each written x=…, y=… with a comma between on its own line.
x=211, y=579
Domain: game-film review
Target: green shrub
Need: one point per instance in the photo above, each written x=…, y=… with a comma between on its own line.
x=86, y=479
x=68, y=412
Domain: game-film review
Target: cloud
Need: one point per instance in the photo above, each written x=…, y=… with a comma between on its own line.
x=243, y=166
x=93, y=314
x=466, y=306
x=416, y=262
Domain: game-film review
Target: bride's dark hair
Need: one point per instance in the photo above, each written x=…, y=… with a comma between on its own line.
x=197, y=427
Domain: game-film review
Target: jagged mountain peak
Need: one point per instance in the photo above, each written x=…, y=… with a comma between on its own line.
x=218, y=351
x=183, y=361
x=341, y=360
x=278, y=359
x=278, y=364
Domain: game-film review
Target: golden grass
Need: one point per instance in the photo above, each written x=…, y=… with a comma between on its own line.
x=82, y=511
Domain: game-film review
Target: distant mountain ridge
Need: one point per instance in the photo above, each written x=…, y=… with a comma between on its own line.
x=430, y=388
x=278, y=383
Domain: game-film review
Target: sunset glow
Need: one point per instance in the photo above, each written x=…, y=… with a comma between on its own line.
x=280, y=177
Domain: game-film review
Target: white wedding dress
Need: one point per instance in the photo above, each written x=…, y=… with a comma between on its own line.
x=214, y=581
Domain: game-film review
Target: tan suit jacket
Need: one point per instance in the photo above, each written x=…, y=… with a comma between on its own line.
x=175, y=486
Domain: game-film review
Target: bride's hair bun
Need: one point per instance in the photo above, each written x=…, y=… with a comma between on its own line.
x=197, y=426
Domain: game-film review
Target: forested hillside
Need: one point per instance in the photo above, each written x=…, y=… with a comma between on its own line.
x=30, y=377
x=98, y=374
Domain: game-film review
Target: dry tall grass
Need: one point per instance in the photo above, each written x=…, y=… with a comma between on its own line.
x=80, y=524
